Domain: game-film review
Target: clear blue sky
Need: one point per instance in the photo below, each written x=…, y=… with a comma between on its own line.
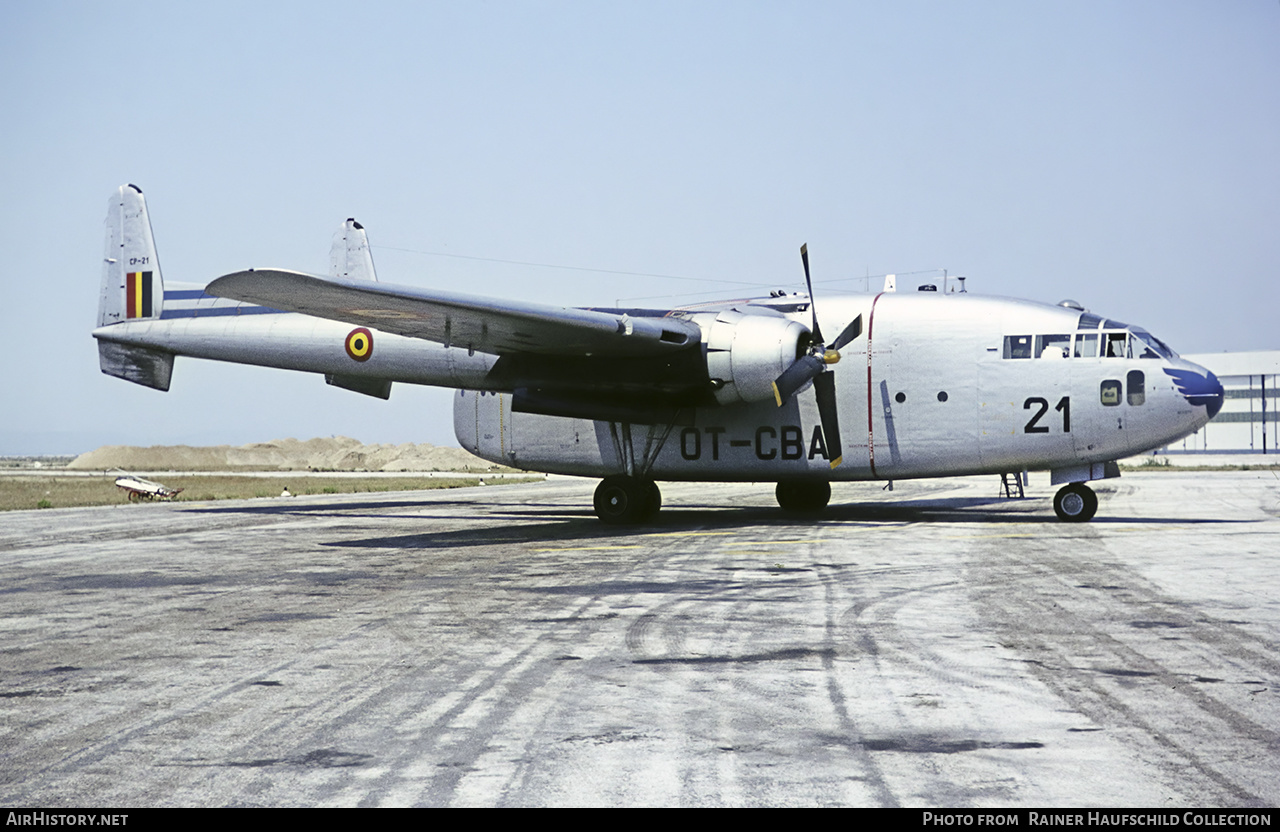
x=1126, y=154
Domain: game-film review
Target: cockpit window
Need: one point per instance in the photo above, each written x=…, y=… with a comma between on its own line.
x=1017, y=346
x=1117, y=345
x=1149, y=346
x=1144, y=348
x=1053, y=346
x=1087, y=345
x=1120, y=341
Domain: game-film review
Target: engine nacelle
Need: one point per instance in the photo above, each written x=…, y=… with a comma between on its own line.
x=746, y=353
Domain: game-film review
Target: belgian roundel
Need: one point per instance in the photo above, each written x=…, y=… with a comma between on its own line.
x=360, y=344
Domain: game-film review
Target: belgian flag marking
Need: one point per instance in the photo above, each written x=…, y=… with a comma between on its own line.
x=360, y=344
x=137, y=290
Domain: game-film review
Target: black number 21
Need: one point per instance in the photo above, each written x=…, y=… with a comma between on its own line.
x=1064, y=407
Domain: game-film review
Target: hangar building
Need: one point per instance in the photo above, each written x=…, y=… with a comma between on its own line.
x=1248, y=420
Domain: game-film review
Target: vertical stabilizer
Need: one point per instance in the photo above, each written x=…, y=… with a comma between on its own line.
x=349, y=256
x=131, y=285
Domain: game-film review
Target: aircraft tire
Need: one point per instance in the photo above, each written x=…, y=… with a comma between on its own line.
x=653, y=501
x=803, y=495
x=625, y=501
x=1075, y=503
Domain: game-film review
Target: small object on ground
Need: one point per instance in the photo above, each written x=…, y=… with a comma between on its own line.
x=140, y=489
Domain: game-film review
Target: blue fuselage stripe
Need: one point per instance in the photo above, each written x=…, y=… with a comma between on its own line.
x=219, y=311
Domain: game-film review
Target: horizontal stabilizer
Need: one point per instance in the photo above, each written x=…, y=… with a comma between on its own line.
x=150, y=368
x=379, y=388
x=452, y=319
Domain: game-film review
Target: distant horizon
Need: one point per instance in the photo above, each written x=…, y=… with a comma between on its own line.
x=21, y=455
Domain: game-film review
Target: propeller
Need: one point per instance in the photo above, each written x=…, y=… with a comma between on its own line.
x=812, y=366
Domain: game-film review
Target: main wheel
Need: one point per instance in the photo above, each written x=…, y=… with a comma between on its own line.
x=803, y=495
x=1075, y=503
x=624, y=501
x=653, y=501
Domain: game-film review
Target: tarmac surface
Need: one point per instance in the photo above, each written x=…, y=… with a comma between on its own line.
x=935, y=647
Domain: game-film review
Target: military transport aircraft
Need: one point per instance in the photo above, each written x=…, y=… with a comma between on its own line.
x=915, y=384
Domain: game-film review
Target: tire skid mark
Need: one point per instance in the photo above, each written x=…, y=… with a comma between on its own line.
x=1054, y=651
x=899, y=657
x=524, y=673
x=835, y=610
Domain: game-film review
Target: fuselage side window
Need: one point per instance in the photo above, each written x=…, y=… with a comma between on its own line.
x=1086, y=345
x=1017, y=346
x=1053, y=346
x=1137, y=387
x=1109, y=392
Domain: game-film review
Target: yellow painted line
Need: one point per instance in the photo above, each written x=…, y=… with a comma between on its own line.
x=584, y=548
x=776, y=542
x=1030, y=535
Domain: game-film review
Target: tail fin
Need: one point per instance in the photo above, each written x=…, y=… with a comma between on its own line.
x=349, y=255
x=132, y=288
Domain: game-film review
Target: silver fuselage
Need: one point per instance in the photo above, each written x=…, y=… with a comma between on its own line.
x=929, y=389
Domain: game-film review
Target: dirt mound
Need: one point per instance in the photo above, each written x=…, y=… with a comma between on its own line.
x=338, y=453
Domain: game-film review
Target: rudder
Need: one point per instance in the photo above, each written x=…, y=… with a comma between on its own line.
x=132, y=288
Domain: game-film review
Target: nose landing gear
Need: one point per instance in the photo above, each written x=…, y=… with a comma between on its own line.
x=1075, y=503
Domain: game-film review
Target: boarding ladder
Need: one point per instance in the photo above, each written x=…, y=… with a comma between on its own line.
x=1012, y=482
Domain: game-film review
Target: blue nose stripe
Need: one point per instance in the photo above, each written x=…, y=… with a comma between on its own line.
x=1199, y=389
x=1216, y=397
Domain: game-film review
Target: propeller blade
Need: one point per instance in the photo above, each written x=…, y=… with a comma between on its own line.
x=804, y=257
x=824, y=386
x=853, y=330
x=796, y=376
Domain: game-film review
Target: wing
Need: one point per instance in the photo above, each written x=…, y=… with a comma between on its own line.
x=484, y=324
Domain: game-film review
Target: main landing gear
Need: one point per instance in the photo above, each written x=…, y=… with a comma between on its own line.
x=1075, y=503
x=803, y=496
x=625, y=501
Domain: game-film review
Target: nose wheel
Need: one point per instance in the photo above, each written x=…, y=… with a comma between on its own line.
x=1075, y=503
x=627, y=501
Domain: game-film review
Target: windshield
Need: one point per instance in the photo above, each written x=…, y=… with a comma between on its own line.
x=1152, y=347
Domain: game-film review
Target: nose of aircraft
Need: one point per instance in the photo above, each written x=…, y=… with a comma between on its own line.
x=1214, y=398
x=1199, y=386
